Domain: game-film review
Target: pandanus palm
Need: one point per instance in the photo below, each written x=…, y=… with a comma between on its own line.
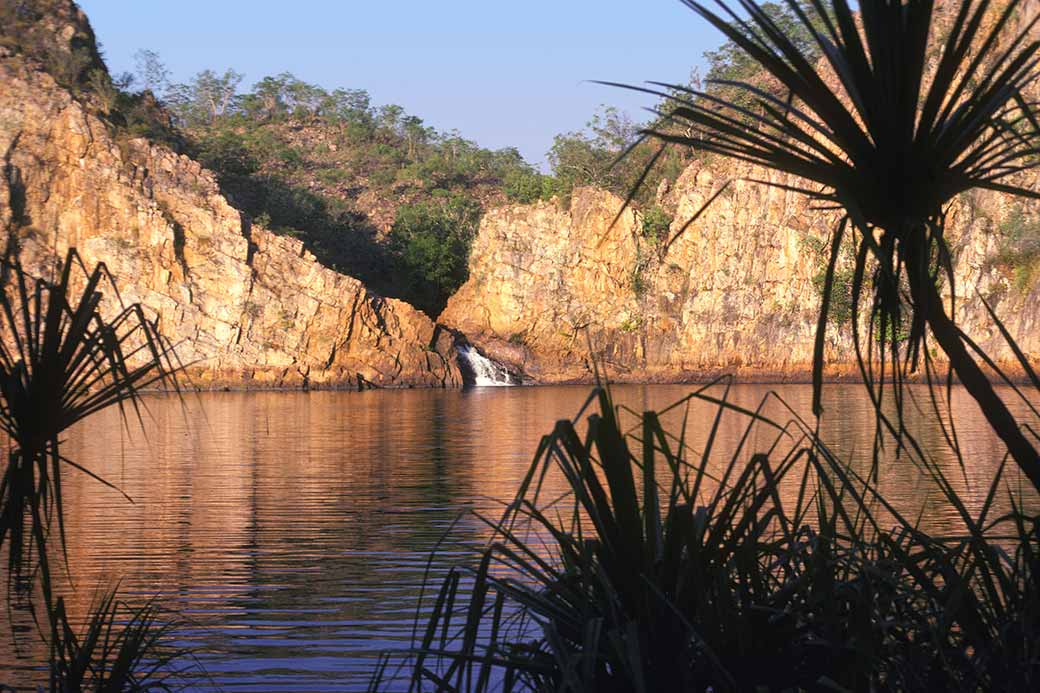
x=890, y=137
x=62, y=358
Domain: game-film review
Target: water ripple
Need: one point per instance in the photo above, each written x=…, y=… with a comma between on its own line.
x=291, y=532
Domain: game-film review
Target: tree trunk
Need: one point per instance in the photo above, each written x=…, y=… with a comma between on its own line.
x=928, y=300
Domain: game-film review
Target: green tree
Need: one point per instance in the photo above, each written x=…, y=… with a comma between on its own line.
x=389, y=117
x=267, y=100
x=525, y=185
x=226, y=151
x=731, y=63
x=351, y=108
x=150, y=72
x=416, y=134
x=304, y=99
x=608, y=154
x=206, y=98
x=590, y=157
x=432, y=241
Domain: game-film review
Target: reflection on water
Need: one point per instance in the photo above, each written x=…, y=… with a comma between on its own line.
x=291, y=531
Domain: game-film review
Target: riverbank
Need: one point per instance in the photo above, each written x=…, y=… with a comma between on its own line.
x=281, y=380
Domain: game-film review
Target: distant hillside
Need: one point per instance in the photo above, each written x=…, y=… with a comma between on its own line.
x=372, y=191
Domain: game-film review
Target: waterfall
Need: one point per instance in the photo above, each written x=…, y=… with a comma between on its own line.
x=486, y=373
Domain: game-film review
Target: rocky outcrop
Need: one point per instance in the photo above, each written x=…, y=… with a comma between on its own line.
x=550, y=287
x=244, y=307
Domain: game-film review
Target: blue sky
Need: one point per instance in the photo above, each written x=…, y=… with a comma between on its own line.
x=502, y=73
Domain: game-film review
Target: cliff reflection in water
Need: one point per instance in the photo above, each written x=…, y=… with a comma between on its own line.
x=292, y=530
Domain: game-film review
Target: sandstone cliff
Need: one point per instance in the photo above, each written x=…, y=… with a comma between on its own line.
x=734, y=293
x=245, y=307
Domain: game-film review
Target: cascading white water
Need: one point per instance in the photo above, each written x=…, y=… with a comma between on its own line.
x=486, y=372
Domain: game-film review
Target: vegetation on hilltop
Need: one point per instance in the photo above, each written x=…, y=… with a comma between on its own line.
x=372, y=191
x=327, y=166
x=375, y=191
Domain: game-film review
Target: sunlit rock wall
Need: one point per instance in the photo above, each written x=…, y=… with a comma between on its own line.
x=551, y=286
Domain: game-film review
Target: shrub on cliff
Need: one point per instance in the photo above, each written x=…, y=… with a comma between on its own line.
x=54, y=33
x=656, y=223
x=1019, y=248
x=527, y=186
x=431, y=241
x=226, y=151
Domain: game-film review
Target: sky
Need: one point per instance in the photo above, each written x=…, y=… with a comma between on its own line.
x=501, y=73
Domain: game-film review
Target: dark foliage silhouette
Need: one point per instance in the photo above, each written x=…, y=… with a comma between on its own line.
x=889, y=139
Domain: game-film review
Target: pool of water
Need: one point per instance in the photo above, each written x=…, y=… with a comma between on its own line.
x=290, y=533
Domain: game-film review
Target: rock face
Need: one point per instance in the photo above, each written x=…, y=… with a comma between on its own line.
x=244, y=307
x=733, y=293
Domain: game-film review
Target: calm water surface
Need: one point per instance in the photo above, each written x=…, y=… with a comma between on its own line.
x=291, y=531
